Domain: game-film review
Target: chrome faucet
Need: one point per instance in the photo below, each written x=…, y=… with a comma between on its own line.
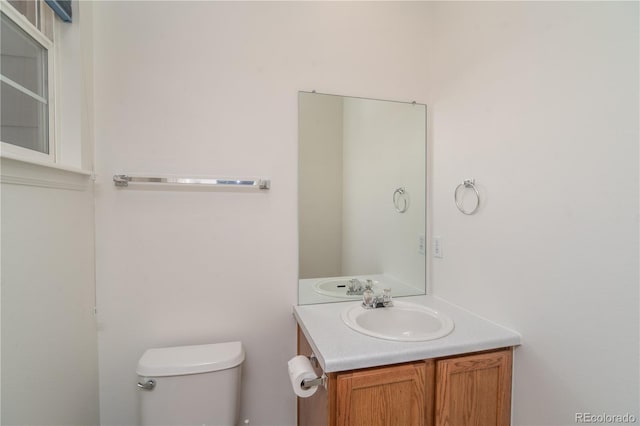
x=372, y=301
x=356, y=287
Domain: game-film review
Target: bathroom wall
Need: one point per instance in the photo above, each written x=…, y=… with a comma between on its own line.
x=49, y=339
x=211, y=88
x=539, y=103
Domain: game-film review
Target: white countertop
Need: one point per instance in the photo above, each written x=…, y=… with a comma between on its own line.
x=339, y=348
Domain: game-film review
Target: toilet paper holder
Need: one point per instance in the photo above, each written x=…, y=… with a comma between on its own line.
x=318, y=381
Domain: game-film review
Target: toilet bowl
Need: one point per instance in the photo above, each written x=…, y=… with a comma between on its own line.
x=190, y=385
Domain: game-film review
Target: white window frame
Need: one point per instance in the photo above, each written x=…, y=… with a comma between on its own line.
x=18, y=152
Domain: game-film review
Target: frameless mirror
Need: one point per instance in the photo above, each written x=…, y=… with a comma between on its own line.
x=361, y=197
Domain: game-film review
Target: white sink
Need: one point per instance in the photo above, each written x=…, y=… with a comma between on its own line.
x=337, y=287
x=406, y=322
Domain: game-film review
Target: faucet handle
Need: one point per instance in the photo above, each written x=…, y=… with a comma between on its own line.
x=386, y=297
x=367, y=298
x=354, y=284
x=369, y=285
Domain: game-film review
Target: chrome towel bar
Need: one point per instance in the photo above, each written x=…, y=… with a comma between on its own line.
x=124, y=180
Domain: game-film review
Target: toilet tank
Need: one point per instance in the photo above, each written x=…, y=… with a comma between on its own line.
x=190, y=385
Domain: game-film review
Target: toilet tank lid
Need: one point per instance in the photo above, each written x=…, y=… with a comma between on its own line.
x=179, y=360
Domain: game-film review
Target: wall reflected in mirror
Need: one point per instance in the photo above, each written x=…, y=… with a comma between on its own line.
x=362, y=197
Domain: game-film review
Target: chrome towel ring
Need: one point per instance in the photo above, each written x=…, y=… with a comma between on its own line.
x=401, y=200
x=468, y=183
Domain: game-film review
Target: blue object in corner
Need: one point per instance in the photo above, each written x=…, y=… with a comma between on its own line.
x=62, y=8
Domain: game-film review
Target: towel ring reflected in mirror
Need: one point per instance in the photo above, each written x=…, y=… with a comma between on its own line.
x=401, y=200
x=466, y=184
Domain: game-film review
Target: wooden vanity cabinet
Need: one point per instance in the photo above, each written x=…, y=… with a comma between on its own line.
x=465, y=390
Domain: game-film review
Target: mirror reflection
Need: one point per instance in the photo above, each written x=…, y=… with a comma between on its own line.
x=362, y=195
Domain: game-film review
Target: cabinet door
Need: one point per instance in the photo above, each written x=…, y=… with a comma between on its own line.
x=385, y=396
x=474, y=390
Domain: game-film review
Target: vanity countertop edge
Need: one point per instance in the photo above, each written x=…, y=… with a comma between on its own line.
x=339, y=348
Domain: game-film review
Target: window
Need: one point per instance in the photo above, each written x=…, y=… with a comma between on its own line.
x=26, y=80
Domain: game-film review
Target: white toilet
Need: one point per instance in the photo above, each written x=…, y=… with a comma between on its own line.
x=191, y=385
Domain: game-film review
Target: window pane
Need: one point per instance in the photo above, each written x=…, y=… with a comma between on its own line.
x=28, y=8
x=24, y=120
x=23, y=59
x=47, y=17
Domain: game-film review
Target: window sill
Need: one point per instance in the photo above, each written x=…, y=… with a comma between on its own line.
x=69, y=169
x=19, y=171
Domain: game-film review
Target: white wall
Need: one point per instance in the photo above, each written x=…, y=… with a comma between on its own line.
x=70, y=94
x=539, y=103
x=49, y=339
x=211, y=89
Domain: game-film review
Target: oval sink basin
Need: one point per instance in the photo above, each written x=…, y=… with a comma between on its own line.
x=337, y=287
x=406, y=322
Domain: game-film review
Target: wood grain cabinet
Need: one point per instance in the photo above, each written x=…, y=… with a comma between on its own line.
x=474, y=389
x=465, y=390
x=393, y=396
